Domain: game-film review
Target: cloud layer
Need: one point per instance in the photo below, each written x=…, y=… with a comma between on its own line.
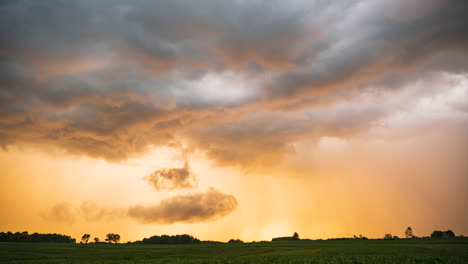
x=238, y=80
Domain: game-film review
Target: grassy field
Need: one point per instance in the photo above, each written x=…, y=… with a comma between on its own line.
x=340, y=251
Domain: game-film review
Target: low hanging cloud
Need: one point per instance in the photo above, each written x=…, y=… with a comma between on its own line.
x=187, y=208
x=92, y=211
x=61, y=212
x=172, y=179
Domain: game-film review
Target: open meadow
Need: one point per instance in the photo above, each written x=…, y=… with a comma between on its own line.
x=326, y=251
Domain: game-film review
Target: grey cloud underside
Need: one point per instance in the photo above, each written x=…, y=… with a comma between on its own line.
x=154, y=54
x=189, y=208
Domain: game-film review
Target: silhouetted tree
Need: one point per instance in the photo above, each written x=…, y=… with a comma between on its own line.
x=235, y=241
x=296, y=236
x=388, y=236
x=112, y=238
x=449, y=234
x=85, y=238
x=409, y=232
x=96, y=240
x=360, y=237
x=437, y=234
x=443, y=234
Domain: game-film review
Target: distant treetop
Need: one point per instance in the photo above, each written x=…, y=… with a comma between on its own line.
x=409, y=232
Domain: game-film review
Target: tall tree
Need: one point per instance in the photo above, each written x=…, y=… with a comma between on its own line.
x=296, y=236
x=409, y=232
x=85, y=238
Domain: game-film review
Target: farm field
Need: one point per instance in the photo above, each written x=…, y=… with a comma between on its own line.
x=292, y=252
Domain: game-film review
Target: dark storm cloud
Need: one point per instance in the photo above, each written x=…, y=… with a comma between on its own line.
x=84, y=114
x=188, y=208
x=167, y=31
x=110, y=78
x=173, y=178
x=368, y=42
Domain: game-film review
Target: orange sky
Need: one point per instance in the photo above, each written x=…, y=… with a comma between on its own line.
x=232, y=119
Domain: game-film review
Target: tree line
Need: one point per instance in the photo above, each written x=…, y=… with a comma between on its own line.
x=165, y=239
x=35, y=237
x=436, y=234
x=295, y=236
x=180, y=239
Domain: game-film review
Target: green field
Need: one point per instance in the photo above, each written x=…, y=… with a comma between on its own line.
x=337, y=251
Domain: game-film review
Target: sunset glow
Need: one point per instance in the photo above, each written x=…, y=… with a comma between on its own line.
x=234, y=119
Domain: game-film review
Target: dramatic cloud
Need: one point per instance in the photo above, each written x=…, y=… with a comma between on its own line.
x=266, y=137
x=174, y=178
x=364, y=45
x=188, y=208
x=239, y=80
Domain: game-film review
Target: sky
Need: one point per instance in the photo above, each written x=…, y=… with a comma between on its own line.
x=234, y=119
